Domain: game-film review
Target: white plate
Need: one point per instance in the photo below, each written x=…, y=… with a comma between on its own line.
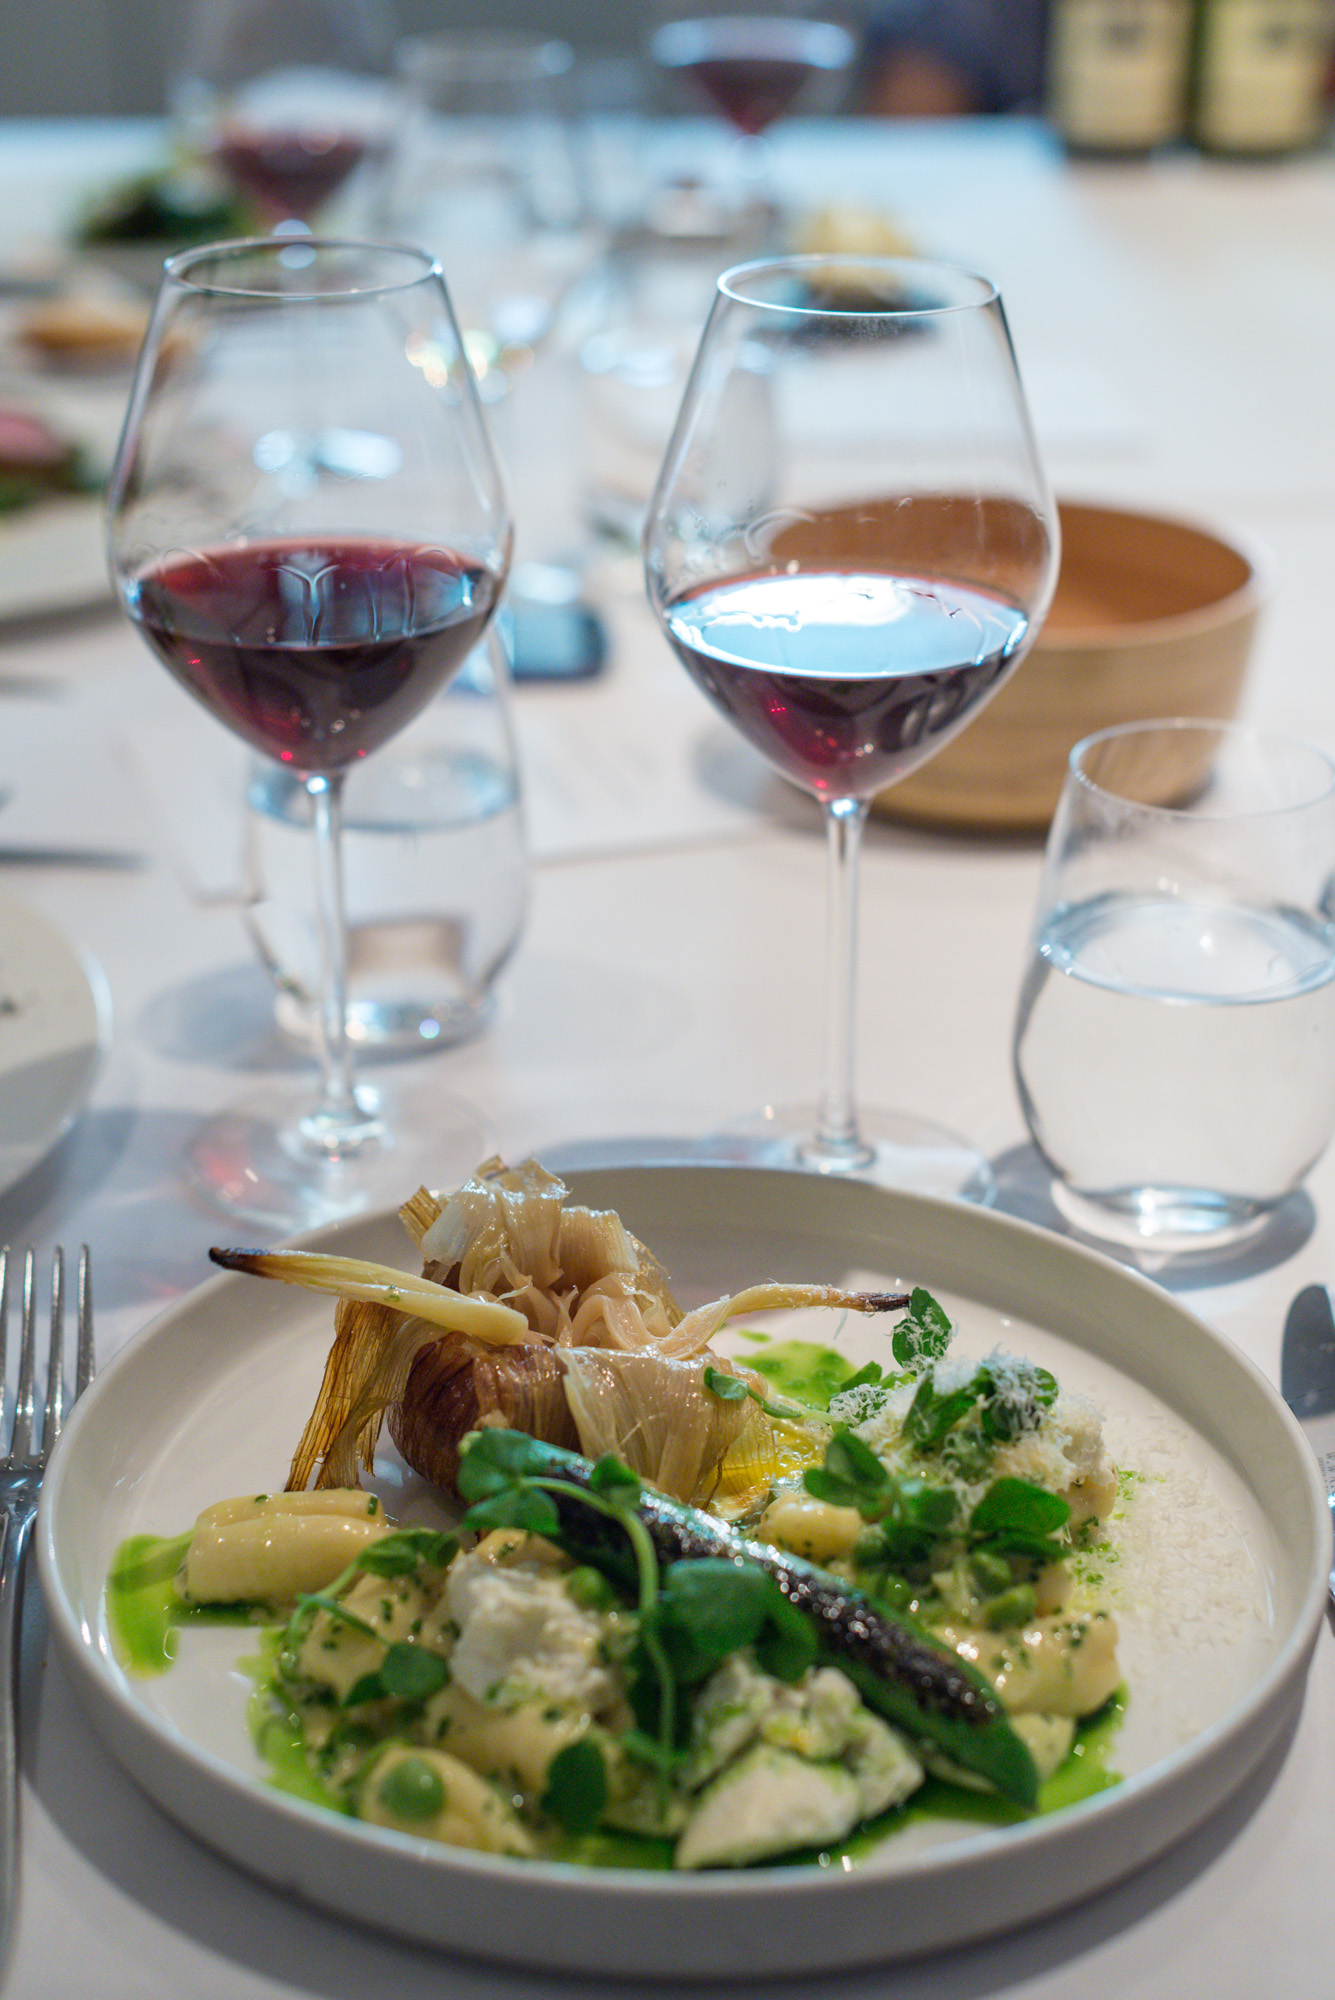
x=53, y=557
x=210, y=1400
x=54, y=1021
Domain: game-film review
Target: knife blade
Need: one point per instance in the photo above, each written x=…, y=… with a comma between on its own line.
x=1307, y=1379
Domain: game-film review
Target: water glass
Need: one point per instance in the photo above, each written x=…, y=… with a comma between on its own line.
x=646, y=316
x=435, y=874
x=1175, y=1038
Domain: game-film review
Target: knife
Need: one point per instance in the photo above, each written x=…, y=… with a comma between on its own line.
x=1307, y=1379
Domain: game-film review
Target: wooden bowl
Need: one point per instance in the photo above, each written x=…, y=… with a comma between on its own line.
x=1151, y=617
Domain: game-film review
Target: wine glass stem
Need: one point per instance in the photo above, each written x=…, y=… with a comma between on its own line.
x=838, y=1146
x=337, y=1124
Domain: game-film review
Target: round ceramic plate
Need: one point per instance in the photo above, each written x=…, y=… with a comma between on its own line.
x=54, y=1019
x=1226, y=1545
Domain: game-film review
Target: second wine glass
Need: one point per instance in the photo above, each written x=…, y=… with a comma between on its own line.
x=289, y=99
x=309, y=529
x=851, y=595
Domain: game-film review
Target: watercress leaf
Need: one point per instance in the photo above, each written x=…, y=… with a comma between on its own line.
x=1020, y=1506
x=412, y=1673
x=609, y=1475
x=869, y=1377
x=924, y=1333
x=931, y=1415
x=1037, y=1549
x=1013, y=1400
x=708, y=1609
x=728, y=1388
x=490, y=1460
x=400, y=1553
x=576, y=1791
x=369, y=1688
x=823, y=1485
x=847, y=1455
x=851, y=1475
x=787, y=1645
x=526, y=1507
x=932, y=1507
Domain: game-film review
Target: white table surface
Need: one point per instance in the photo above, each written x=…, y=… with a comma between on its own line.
x=1173, y=321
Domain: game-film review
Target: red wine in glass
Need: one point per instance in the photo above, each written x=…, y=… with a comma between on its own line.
x=844, y=681
x=289, y=171
x=752, y=68
x=282, y=384
x=315, y=651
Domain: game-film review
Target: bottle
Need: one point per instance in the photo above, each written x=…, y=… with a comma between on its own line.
x=1259, y=75
x=1117, y=73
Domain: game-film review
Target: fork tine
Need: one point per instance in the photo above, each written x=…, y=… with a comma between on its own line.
x=55, y=1383
x=20, y=1444
x=85, y=1360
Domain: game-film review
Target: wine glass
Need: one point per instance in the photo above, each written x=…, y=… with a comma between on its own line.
x=850, y=597
x=308, y=526
x=753, y=62
x=287, y=98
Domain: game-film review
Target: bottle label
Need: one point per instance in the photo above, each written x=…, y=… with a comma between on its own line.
x=1262, y=73
x=1117, y=71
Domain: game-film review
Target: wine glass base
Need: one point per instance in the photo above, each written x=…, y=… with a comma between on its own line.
x=898, y=1150
x=252, y=1163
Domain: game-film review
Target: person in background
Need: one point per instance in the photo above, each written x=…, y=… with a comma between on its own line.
x=946, y=58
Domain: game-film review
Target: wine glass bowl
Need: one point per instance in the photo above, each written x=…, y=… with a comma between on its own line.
x=754, y=65
x=286, y=98
x=850, y=596
x=751, y=63
x=309, y=530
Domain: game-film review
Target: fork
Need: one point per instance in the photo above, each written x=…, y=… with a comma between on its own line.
x=21, y=1473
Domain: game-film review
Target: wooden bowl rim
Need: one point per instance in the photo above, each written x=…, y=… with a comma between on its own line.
x=1249, y=596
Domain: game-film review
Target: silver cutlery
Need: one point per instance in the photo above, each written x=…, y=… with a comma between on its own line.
x=1307, y=1379
x=21, y=1473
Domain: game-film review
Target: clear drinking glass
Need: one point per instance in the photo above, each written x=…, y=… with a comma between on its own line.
x=485, y=174
x=1175, y=1037
x=308, y=527
x=435, y=873
x=849, y=597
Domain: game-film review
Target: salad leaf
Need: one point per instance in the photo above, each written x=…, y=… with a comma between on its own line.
x=924, y=1333
x=576, y=1791
x=851, y=1476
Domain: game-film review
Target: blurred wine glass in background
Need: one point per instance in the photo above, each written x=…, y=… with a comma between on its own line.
x=291, y=100
x=752, y=62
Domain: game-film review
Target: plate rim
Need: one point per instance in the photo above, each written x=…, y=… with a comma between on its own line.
x=1186, y=1780
x=81, y=967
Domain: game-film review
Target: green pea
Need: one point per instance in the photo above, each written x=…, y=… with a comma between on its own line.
x=590, y=1589
x=411, y=1789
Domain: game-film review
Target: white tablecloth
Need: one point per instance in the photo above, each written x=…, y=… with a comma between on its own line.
x=1173, y=321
